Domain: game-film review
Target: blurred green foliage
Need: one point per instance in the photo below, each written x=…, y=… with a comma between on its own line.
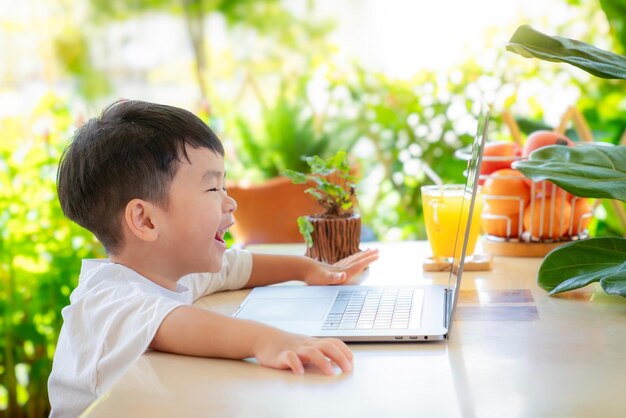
x=71, y=48
x=40, y=253
x=615, y=11
x=406, y=123
x=288, y=130
x=268, y=18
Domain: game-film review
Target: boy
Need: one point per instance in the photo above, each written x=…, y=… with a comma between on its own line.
x=148, y=181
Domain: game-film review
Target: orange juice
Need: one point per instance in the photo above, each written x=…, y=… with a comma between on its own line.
x=442, y=209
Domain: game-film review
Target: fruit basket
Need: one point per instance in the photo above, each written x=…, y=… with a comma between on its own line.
x=521, y=217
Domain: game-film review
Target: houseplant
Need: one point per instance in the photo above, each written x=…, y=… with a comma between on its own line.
x=334, y=233
x=289, y=130
x=593, y=170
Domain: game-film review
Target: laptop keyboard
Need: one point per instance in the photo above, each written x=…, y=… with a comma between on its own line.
x=388, y=308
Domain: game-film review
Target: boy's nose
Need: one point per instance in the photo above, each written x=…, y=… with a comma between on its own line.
x=231, y=204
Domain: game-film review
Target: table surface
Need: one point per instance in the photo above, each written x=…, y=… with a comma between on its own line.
x=514, y=351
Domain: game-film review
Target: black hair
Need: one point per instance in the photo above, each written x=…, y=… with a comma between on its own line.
x=132, y=150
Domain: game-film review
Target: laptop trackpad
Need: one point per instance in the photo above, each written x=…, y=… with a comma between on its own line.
x=285, y=309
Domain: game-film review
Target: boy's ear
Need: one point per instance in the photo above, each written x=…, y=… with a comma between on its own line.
x=139, y=217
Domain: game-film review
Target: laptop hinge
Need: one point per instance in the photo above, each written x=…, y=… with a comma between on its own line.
x=448, y=307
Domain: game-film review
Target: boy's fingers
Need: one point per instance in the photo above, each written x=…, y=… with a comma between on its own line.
x=338, y=276
x=359, y=265
x=314, y=356
x=369, y=253
x=343, y=347
x=361, y=254
x=366, y=256
x=365, y=261
x=293, y=362
x=337, y=355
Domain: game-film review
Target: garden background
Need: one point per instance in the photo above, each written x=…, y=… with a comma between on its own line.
x=395, y=82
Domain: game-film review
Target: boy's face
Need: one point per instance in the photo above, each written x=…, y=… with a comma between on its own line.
x=198, y=214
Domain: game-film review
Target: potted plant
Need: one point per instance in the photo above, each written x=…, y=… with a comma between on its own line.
x=289, y=130
x=335, y=233
x=590, y=170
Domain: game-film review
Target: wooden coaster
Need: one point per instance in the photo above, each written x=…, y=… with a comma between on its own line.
x=519, y=249
x=476, y=262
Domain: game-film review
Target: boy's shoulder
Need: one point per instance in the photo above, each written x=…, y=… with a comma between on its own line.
x=96, y=274
x=101, y=278
x=108, y=291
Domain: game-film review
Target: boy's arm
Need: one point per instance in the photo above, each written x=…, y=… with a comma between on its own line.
x=270, y=269
x=193, y=331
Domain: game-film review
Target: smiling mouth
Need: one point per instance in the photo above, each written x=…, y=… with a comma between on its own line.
x=219, y=235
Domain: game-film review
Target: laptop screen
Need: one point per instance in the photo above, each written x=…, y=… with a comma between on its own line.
x=467, y=208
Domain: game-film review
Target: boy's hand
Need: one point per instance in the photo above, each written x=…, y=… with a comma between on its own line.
x=282, y=350
x=342, y=270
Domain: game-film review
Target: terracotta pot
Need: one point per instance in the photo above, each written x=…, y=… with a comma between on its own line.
x=268, y=212
x=335, y=238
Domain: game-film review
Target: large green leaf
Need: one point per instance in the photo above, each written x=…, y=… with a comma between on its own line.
x=529, y=43
x=589, y=170
x=580, y=263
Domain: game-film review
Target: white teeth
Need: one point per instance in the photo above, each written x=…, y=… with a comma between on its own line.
x=223, y=231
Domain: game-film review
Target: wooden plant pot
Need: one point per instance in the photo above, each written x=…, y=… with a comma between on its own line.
x=268, y=212
x=334, y=238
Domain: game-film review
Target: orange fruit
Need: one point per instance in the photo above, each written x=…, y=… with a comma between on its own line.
x=540, y=139
x=495, y=224
x=550, y=219
x=581, y=211
x=499, y=155
x=544, y=187
x=505, y=192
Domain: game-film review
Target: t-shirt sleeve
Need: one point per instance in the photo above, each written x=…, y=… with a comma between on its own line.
x=127, y=324
x=235, y=273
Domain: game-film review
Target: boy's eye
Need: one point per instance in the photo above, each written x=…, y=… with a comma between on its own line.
x=216, y=189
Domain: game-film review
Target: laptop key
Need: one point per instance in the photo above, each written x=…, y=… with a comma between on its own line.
x=339, y=306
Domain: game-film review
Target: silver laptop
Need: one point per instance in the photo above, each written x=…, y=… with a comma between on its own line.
x=372, y=313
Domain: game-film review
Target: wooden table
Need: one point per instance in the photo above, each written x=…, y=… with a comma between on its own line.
x=514, y=352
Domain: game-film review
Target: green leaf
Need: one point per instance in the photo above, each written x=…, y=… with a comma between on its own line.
x=580, y=263
x=529, y=43
x=615, y=284
x=306, y=229
x=295, y=177
x=589, y=170
x=315, y=193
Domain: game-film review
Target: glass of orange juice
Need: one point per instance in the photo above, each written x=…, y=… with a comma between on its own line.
x=443, y=206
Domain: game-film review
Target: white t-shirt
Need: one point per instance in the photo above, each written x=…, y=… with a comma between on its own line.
x=113, y=315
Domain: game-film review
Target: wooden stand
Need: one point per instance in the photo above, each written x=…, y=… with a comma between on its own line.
x=519, y=249
x=476, y=262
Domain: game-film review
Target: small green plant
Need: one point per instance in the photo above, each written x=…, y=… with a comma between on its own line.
x=332, y=187
x=333, y=184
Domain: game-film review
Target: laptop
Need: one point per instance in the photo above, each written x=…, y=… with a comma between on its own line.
x=372, y=313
